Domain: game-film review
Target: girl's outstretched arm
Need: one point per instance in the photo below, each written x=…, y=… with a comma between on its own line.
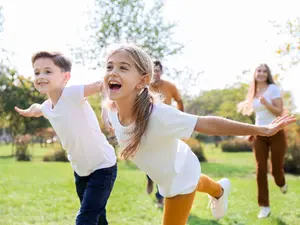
x=212, y=125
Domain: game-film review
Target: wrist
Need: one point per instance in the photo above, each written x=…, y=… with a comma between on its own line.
x=262, y=131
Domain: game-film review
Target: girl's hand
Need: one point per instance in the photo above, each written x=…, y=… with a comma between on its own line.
x=278, y=124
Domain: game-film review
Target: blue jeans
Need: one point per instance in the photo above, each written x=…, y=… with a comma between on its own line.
x=157, y=194
x=93, y=192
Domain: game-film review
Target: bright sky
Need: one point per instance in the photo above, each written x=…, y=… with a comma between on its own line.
x=222, y=37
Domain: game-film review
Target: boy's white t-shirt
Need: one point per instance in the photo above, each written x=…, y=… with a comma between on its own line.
x=166, y=159
x=263, y=116
x=77, y=127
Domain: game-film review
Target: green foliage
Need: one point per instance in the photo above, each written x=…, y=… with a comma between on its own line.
x=292, y=160
x=221, y=102
x=196, y=147
x=95, y=101
x=137, y=21
x=1, y=19
x=236, y=145
x=292, y=157
x=22, y=142
x=18, y=91
x=290, y=49
x=288, y=103
x=56, y=155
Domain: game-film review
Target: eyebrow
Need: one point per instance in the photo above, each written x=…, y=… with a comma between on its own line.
x=121, y=63
x=46, y=68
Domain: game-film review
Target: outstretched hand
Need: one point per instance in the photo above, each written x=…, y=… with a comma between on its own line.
x=109, y=128
x=24, y=112
x=279, y=123
x=33, y=111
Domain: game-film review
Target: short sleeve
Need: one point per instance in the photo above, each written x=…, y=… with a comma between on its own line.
x=74, y=94
x=174, y=123
x=46, y=105
x=274, y=92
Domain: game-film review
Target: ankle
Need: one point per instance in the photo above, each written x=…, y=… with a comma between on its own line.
x=219, y=196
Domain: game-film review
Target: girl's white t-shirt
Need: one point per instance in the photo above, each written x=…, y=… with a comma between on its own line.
x=263, y=116
x=167, y=160
x=77, y=127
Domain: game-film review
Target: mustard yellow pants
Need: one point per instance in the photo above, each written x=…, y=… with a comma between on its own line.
x=177, y=208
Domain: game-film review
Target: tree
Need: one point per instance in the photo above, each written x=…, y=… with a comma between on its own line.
x=18, y=91
x=221, y=102
x=2, y=50
x=289, y=51
x=1, y=29
x=138, y=21
x=1, y=18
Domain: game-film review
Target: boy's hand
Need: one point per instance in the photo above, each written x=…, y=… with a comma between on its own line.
x=33, y=111
x=94, y=88
x=109, y=128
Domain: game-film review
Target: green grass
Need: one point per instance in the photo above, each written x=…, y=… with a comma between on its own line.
x=43, y=193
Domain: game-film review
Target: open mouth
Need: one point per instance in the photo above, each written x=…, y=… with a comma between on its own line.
x=113, y=85
x=42, y=82
x=261, y=77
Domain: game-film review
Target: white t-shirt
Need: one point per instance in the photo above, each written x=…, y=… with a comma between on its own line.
x=77, y=127
x=166, y=159
x=262, y=114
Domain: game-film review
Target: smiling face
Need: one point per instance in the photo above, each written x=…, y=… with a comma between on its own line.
x=157, y=73
x=262, y=74
x=48, y=77
x=123, y=79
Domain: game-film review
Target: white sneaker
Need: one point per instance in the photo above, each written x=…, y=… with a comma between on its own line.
x=264, y=212
x=284, y=189
x=219, y=206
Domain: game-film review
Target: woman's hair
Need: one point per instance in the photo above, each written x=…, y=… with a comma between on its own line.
x=143, y=104
x=245, y=107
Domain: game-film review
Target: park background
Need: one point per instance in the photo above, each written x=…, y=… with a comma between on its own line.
x=209, y=49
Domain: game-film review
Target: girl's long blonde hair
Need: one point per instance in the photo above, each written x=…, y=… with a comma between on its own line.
x=246, y=107
x=143, y=104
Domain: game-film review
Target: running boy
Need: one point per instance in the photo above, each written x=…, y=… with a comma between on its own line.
x=92, y=158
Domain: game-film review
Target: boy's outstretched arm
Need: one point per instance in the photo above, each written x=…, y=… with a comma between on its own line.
x=93, y=88
x=213, y=125
x=35, y=110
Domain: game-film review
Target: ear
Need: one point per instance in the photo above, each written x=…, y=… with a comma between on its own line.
x=145, y=80
x=67, y=76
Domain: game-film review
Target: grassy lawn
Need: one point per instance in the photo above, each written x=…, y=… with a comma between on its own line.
x=43, y=193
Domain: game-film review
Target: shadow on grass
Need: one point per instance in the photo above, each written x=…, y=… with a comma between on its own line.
x=280, y=222
x=195, y=220
x=6, y=156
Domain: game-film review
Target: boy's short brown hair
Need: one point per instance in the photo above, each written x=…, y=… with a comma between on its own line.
x=158, y=63
x=58, y=59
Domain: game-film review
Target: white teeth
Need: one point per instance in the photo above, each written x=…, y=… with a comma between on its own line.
x=112, y=82
x=42, y=82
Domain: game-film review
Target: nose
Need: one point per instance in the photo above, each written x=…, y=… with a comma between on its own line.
x=114, y=72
